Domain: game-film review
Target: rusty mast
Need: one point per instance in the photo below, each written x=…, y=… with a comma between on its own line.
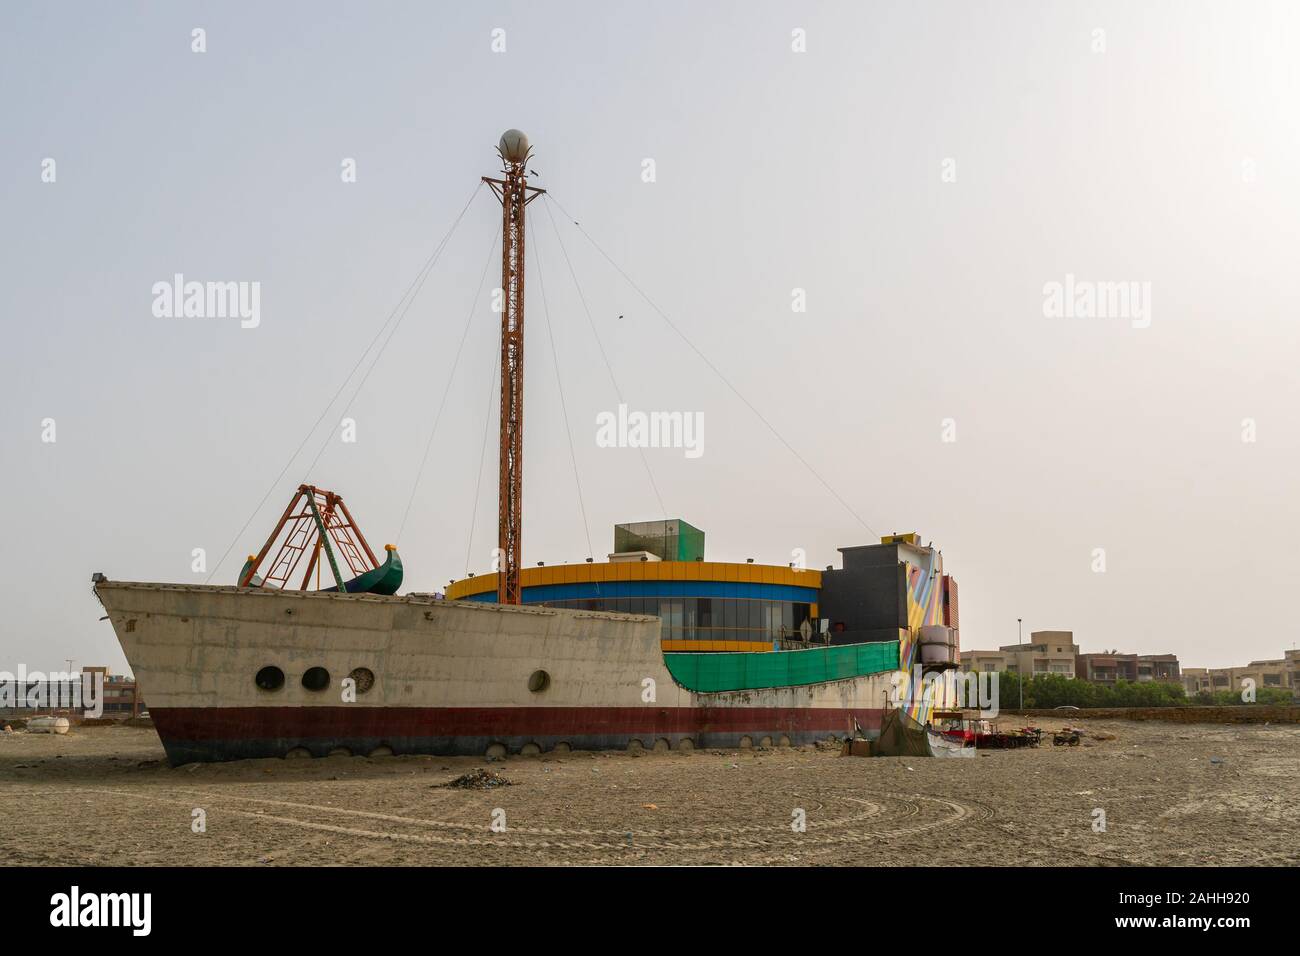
x=515, y=194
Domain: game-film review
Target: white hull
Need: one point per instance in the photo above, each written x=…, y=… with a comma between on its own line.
x=449, y=677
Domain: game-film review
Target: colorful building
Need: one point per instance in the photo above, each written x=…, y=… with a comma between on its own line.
x=885, y=592
x=702, y=605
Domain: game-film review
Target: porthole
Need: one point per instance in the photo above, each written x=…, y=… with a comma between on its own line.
x=269, y=678
x=316, y=678
x=538, y=681
x=364, y=678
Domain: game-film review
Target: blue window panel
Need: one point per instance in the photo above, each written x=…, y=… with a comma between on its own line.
x=674, y=589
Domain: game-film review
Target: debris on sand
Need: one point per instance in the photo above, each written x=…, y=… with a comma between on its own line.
x=479, y=779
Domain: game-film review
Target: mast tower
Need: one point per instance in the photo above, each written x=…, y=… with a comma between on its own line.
x=515, y=194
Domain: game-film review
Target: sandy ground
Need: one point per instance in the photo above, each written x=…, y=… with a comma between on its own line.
x=103, y=796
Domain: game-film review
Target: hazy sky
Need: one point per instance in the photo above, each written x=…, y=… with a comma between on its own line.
x=921, y=170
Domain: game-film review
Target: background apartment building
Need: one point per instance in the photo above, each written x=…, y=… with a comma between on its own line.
x=1111, y=666
x=1047, y=652
x=1054, y=652
x=121, y=697
x=1280, y=674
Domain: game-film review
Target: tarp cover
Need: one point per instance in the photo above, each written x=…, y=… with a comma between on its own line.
x=900, y=736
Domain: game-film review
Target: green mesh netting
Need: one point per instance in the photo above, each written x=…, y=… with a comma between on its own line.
x=709, y=673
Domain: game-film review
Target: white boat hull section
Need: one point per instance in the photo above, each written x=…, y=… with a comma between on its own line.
x=448, y=677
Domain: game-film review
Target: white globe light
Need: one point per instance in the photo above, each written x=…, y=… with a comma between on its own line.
x=514, y=146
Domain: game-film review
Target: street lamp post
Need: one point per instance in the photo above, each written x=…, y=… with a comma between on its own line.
x=1020, y=639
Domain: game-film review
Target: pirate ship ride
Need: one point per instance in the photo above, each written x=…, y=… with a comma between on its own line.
x=273, y=666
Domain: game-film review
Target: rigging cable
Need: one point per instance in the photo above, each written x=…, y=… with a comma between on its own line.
x=704, y=358
x=555, y=359
x=482, y=457
x=424, y=270
x=605, y=358
x=469, y=320
x=375, y=361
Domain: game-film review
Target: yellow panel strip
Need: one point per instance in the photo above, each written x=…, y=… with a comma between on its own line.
x=643, y=571
x=747, y=647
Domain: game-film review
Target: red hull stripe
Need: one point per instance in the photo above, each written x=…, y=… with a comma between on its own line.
x=253, y=723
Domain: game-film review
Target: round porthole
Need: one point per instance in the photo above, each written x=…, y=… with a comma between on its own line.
x=316, y=678
x=538, y=681
x=269, y=678
x=364, y=678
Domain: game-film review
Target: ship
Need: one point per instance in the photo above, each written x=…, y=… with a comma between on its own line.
x=234, y=673
x=655, y=649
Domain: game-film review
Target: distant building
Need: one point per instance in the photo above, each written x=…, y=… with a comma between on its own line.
x=1112, y=666
x=121, y=697
x=121, y=693
x=1279, y=674
x=1054, y=652
x=985, y=661
x=1159, y=667
x=1047, y=652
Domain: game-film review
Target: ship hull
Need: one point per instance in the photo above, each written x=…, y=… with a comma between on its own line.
x=448, y=678
x=230, y=733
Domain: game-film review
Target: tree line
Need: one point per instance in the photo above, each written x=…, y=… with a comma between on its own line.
x=1045, y=691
